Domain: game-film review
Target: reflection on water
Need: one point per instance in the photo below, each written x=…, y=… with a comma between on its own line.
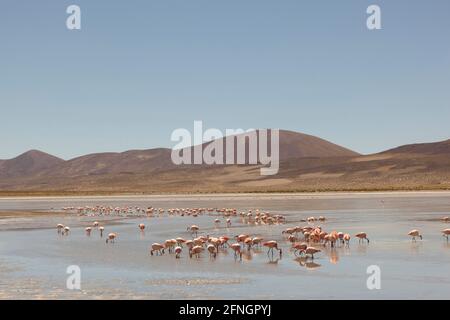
x=334, y=256
x=416, y=247
x=307, y=263
x=273, y=261
x=247, y=255
x=361, y=248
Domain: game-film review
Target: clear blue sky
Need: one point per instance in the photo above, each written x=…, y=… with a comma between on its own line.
x=140, y=69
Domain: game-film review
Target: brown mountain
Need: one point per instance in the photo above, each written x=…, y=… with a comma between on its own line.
x=300, y=145
x=292, y=145
x=133, y=161
x=28, y=163
x=442, y=147
x=36, y=163
x=307, y=164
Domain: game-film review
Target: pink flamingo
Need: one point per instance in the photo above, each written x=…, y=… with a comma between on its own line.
x=347, y=238
x=212, y=250
x=414, y=234
x=159, y=248
x=178, y=252
x=446, y=233
x=196, y=250
x=236, y=247
x=299, y=247
x=311, y=251
x=362, y=236
x=59, y=228
x=111, y=237
x=272, y=245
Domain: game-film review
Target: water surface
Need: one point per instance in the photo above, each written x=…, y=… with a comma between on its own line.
x=34, y=258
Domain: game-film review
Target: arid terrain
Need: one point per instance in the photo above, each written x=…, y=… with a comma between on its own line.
x=307, y=163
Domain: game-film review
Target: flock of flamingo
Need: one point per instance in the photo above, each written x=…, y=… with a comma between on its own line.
x=305, y=240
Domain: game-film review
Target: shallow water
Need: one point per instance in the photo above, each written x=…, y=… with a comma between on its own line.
x=34, y=258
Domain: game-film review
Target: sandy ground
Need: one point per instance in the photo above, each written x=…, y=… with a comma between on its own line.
x=34, y=259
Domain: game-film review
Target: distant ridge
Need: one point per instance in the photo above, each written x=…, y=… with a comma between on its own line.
x=308, y=163
x=441, y=147
x=292, y=145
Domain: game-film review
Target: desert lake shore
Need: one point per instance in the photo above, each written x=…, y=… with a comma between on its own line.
x=34, y=258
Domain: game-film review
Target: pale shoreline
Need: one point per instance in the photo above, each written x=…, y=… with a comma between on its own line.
x=187, y=196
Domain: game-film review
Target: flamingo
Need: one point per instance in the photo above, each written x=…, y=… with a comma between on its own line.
x=196, y=250
x=362, y=236
x=198, y=241
x=332, y=238
x=189, y=244
x=292, y=239
x=445, y=219
x=224, y=241
x=101, y=229
x=95, y=224
x=446, y=233
x=178, y=252
x=236, y=247
x=212, y=250
x=194, y=229
x=88, y=231
x=159, y=248
x=272, y=245
x=311, y=251
x=66, y=231
x=257, y=241
x=215, y=242
x=299, y=247
x=248, y=242
x=241, y=237
x=59, y=228
x=180, y=242
x=414, y=234
x=228, y=222
x=289, y=231
x=341, y=237
x=111, y=237
x=141, y=227
x=347, y=239
x=170, y=244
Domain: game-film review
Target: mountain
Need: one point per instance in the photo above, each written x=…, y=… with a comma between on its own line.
x=300, y=145
x=433, y=148
x=307, y=163
x=133, y=161
x=36, y=163
x=28, y=163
